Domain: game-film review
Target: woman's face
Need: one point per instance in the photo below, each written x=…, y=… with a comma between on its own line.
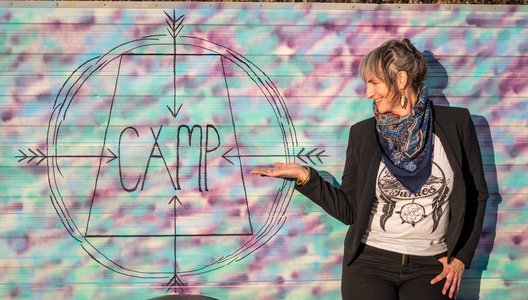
x=378, y=91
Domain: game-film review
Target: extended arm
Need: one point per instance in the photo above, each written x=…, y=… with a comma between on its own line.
x=338, y=202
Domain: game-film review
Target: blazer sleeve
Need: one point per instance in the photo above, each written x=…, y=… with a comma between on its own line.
x=476, y=192
x=339, y=202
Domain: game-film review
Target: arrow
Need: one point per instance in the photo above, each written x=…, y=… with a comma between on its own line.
x=41, y=156
x=175, y=27
x=309, y=155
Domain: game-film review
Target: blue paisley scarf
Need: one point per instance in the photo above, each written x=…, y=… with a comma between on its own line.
x=407, y=142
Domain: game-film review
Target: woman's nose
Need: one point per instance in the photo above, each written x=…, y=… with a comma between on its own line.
x=368, y=92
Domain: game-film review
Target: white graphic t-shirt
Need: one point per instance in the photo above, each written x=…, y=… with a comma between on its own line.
x=412, y=223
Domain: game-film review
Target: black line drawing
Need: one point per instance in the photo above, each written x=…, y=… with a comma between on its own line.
x=176, y=154
x=40, y=156
x=412, y=213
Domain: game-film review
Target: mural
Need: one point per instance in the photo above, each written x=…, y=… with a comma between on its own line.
x=190, y=181
x=128, y=136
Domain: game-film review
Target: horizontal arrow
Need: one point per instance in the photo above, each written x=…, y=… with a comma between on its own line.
x=308, y=155
x=41, y=156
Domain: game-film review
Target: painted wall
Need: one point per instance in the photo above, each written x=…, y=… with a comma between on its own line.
x=129, y=130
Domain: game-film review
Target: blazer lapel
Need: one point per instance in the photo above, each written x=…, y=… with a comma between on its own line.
x=370, y=165
x=448, y=147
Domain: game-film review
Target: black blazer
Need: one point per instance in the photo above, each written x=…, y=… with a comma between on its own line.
x=352, y=203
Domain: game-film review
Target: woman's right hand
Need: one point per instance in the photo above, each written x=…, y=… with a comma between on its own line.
x=283, y=170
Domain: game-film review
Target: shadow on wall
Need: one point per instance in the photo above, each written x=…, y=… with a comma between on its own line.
x=437, y=80
x=330, y=178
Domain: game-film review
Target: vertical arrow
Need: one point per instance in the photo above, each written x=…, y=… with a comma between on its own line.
x=175, y=283
x=175, y=27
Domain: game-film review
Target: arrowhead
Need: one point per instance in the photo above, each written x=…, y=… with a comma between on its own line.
x=174, y=112
x=225, y=156
x=23, y=156
x=310, y=153
x=299, y=155
x=320, y=154
x=112, y=157
x=175, y=198
x=41, y=160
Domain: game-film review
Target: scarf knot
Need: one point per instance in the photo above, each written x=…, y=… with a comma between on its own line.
x=407, y=142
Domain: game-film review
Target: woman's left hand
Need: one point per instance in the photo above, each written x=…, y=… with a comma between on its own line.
x=452, y=273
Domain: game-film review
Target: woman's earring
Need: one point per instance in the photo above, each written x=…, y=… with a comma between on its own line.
x=402, y=101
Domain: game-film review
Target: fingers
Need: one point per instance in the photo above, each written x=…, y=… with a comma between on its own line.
x=282, y=170
x=457, y=271
x=444, y=273
x=264, y=171
x=267, y=170
x=453, y=277
x=452, y=285
x=457, y=287
x=277, y=167
x=439, y=277
x=452, y=282
x=448, y=287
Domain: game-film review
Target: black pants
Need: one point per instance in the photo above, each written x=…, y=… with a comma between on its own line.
x=383, y=275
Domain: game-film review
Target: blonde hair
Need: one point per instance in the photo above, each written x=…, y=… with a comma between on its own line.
x=390, y=58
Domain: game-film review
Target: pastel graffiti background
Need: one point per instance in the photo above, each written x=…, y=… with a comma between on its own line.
x=128, y=131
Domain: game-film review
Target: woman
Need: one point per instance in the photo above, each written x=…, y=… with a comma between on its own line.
x=413, y=190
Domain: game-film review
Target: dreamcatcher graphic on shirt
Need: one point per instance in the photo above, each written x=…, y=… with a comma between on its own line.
x=412, y=212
